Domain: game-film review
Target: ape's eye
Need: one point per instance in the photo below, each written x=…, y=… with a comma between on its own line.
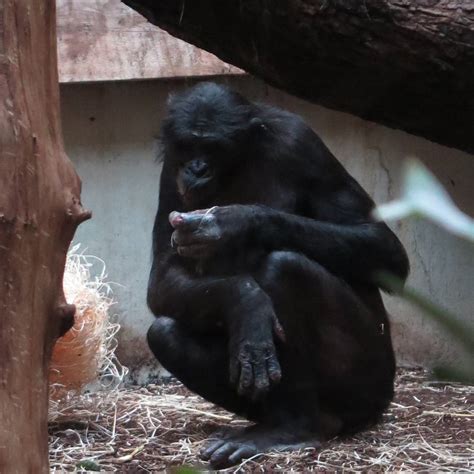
x=212, y=148
x=183, y=146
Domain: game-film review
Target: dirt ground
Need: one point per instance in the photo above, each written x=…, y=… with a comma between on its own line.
x=429, y=427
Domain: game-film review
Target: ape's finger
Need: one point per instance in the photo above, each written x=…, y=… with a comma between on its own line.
x=175, y=219
x=173, y=242
x=261, y=382
x=220, y=458
x=234, y=371
x=185, y=220
x=246, y=377
x=208, y=451
x=278, y=329
x=183, y=237
x=193, y=251
x=243, y=452
x=274, y=370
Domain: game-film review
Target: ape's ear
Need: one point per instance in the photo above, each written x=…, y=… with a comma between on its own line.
x=257, y=124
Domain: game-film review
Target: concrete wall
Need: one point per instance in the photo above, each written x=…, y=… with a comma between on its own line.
x=110, y=131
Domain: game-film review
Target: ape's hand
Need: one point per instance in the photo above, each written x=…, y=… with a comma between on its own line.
x=254, y=365
x=200, y=234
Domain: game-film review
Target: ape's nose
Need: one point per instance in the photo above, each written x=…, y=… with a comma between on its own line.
x=198, y=167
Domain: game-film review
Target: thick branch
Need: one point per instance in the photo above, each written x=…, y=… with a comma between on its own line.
x=39, y=211
x=407, y=64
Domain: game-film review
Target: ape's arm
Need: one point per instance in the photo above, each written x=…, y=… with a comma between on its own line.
x=174, y=287
x=353, y=251
x=352, y=246
x=334, y=225
x=331, y=222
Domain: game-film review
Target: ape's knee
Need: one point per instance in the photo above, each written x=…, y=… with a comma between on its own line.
x=160, y=337
x=278, y=264
x=286, y=267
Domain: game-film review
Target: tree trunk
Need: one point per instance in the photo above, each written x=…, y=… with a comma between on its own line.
x=407, y=64
x=40, y=209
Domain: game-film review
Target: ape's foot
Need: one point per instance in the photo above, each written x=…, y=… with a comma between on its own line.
x=229, y=448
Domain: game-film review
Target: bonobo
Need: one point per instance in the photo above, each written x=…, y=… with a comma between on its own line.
x=262, y=281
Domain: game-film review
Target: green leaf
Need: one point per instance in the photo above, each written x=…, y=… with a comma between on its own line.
x=462, y=332
x=423, y=196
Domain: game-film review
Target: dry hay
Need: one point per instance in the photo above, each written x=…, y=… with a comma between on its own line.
x=429, y=427
x=84, y=359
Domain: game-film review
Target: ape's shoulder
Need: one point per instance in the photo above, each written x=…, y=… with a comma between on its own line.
x=288, y=137
x=279, y=120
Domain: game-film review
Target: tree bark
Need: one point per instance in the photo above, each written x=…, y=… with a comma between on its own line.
x=40, y=209
x=408, y=64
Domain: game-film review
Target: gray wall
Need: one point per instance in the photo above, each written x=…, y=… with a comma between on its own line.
x=110, y=132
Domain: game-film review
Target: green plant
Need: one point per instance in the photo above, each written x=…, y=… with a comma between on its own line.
x=424, y=197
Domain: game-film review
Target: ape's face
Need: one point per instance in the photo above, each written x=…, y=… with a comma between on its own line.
x=206, y=135
x=197, y=171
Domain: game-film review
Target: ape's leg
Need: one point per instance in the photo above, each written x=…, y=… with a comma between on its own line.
x=337, y=362
x=338, y=337
x=200, y=361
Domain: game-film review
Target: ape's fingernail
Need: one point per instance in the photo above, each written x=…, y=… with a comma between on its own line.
x=280, y=332
x=275, y=377
x=176, y=219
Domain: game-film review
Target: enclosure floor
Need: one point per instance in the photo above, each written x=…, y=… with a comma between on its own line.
x=429, y=427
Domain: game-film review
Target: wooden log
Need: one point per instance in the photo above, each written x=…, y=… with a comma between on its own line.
x=40, y=209
x=408, y=64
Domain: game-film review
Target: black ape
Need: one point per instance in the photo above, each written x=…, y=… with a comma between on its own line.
x=265, y=298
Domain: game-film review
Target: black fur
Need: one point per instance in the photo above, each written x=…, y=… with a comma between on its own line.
x=265, y=300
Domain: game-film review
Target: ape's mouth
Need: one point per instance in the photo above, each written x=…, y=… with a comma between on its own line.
x=188, y=188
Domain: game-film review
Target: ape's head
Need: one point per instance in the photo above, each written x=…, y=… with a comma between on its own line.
x=208, y=132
